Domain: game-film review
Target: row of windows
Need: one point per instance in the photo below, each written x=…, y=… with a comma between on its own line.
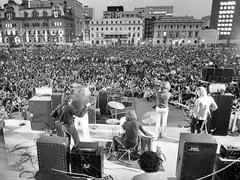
x=227, y=7
x=225, y=20
x=225, y=16
x=116, y=29
x=225, y=33
x=116, y=22
x=227, y=12
x=10, y=25
x=44, y=24
x=53, y=32
x=177, y=34
x=226, y=24
x=224, y=29
x=228, y=3
x=129, y=35
x=177, y=26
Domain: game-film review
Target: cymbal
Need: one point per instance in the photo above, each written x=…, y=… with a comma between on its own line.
x=112, y=121
x=122, y=120
x=150, y=117
x=116, y=105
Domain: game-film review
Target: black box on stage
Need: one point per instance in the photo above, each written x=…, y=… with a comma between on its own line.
x=53, y=152
x=196, y=156
x=40, y=113
x=230, y=173
x=102, y=102
x=87, y=158
x=220, y=118
x=56, y=99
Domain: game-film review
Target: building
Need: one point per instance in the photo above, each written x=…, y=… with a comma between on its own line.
x=155, y=11
x=88, y=16
x=206, y=22
x=22, y=25
x=113, y=31
x=176, y=30
x=75, y=5
x=225, y=17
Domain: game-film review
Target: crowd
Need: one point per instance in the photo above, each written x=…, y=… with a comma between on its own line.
x=136, y=70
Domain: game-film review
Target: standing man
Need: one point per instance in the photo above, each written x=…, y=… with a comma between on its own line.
x=65, y=114
x=204, y=104
x=163, y=96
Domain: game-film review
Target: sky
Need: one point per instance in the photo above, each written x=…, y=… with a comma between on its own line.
x=196, y=8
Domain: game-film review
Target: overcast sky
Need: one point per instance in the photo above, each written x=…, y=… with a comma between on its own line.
x=196, y=8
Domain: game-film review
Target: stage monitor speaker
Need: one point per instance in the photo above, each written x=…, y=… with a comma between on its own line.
x=207, y=72
x=232, y=172
x=87, y=161
x=53, y=152
x=218, y=71
x=220, y=118
x=225, y=79
x=196, y=155
x=228, y=72
x=56, y=100
x=102, y=102
x=214, y=79
x=40, y=113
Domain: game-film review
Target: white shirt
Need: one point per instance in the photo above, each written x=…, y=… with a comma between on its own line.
x=202, y=107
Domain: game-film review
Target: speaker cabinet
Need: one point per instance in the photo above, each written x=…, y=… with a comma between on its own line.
x=102, y=102
x=220, y=118
x=214, y=79
x=232, y=172
x=56, y=99
x=225, y=79
x=87, y=161
x=53, y=152
x=40, y=113
x=196, y=155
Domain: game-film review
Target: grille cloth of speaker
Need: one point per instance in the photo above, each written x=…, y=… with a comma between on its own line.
x=53, y=152
x=87, y=162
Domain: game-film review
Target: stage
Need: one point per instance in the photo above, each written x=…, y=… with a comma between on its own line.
x=22, y=137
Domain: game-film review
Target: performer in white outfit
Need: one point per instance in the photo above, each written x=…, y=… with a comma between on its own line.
x=163, y=96
x=204, y=104
x=80, y=100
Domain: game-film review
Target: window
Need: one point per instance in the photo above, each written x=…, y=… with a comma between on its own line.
x=102, y=28
x=35, y=14
x=129, y=28
x=45, y=14
x=25, y=14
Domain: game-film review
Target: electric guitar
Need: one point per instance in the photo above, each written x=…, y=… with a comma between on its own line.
x=82, y=111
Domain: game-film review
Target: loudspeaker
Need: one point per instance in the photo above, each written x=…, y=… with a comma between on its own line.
x=53, y=152
x=220, y=118
x=196, y=155
x=232, y=172
x=225, y=79
x=87, y=161
x=40, y=113
x=92, y=115
x=56, y=99
x=218, y=71
x=228, y=72
x=102, y=102
x=207, y=72
x=214, y=79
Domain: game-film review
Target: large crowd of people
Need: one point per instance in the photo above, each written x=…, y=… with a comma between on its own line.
x=136, y=70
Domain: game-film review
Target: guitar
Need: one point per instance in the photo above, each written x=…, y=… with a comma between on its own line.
x=82, y=111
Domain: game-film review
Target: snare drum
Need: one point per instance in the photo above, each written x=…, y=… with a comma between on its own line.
x=146, y=143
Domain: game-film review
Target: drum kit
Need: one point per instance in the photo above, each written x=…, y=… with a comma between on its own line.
x=116, y=106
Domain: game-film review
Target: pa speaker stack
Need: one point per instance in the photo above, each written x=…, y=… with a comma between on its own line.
x=218, y=75
x=196, y=156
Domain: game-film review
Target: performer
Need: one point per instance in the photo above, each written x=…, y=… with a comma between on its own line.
x=65, y=114
x=163, y=96
x=204, y=104
x=130, y=136
x=80, y=101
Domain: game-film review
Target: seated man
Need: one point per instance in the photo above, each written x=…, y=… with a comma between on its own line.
x=131, y=129
x=150, y=164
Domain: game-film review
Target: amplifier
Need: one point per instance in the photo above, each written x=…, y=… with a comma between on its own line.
x=230, y=152
x=232, y=172
x=86, y=161
x=53, y=152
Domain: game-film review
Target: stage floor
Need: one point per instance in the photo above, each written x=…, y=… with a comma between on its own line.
x=22, y=136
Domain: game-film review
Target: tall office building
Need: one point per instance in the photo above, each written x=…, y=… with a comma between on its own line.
x=225, y=17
